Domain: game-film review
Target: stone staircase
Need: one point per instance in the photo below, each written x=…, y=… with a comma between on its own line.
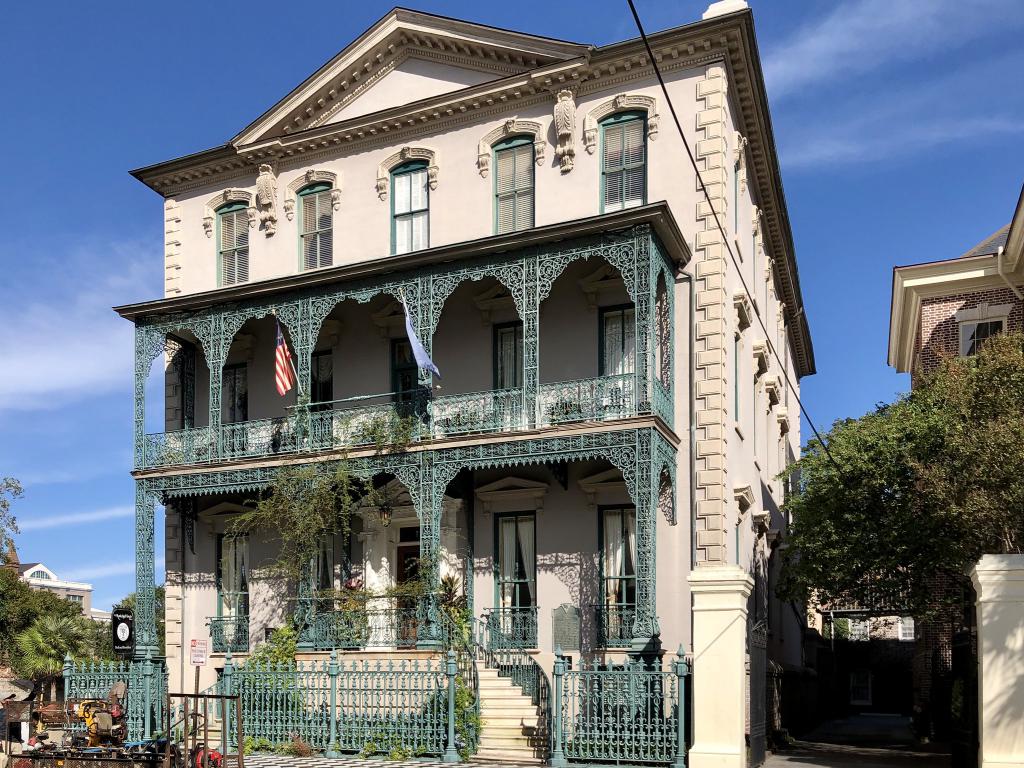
x=511, y=732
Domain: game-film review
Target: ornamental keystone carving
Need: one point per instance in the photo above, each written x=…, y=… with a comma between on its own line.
x=510, y=127
x=404, y=155
x=565, y=129
x=266, y=199
x=619, y=103
x=312, y=176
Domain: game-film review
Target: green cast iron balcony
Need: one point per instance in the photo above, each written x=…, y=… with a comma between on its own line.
x=352, y=422
x=614, y=623
x=359, y=628
x=229, y=633
x=511, y=627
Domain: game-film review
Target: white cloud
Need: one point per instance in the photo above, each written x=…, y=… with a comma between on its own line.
x=77, y=518
x=863, y=35
x=61, y=342
x=97, y=571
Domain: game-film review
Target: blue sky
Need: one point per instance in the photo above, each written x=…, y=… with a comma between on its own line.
x=899, y=126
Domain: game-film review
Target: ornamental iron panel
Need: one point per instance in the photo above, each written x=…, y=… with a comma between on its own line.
x=513, y=627
x=229, y=634
x=146, y=689
x=614, y=623
x=604, y=398
x=360, y=628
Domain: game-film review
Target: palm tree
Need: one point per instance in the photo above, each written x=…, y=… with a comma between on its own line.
x=42, y=647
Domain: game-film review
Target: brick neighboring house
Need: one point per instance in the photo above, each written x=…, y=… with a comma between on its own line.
x=948, y=308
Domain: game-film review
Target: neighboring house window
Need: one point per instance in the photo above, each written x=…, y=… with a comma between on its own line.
x=316, y=222
x=618, y=555
x=74, y=598
x=513, y=185
x=404, y=371
x=232, y=244
x=859, y=629
x=39, y=575
x=410, y=208
x=232, y=576
x=617, y=331
x=322, y=377
x=623, y=161
x=974, y=335
x=235, y=394
x=508, y=355
x=906, y=628
x=516, y=561
x=860, y=687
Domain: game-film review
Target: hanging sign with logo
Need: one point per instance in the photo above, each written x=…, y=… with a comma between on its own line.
x=122, y=624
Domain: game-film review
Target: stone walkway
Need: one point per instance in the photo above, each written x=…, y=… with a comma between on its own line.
x=817, y=755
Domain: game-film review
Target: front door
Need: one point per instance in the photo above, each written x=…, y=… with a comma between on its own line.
x=407, y=563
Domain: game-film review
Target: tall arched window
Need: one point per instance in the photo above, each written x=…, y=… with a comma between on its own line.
x=513, y=184
x=316, y=226
x=623, y=161
x=232, y=244
x=410, y=208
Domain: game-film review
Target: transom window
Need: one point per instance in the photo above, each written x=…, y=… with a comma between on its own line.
x=513, y=185
x=232, y=244
x=39, y=575
x=410, y=207
x=974, y=335
x=623, y=161
x=316, y=222
x=618, y=340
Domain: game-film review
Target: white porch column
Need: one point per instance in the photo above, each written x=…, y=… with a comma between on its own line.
x=999, y=583
x=719, y=666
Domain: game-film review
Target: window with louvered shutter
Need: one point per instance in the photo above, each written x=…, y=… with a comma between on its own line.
x=316, y=238
x=410, y=201
x=623, y=162
x=233, y=244
x=513, y=185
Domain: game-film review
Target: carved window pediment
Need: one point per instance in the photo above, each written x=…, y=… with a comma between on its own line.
x=744, y=311
x=623, y=102
x=760, y=351
x=389, y=317
x=509, y=128
x=744, y=496
x=605, y=279
x=772, y=389
x=404, y=155
x=782, y=417
x=516, y=490
x=609, y=481
x=495, y=298
x=312, y=176
x=225, y=197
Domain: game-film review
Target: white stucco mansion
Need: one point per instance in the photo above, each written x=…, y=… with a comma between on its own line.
x=597, y=468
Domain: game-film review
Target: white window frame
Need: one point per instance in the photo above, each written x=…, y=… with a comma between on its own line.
x=969, y=319
x=905, y=629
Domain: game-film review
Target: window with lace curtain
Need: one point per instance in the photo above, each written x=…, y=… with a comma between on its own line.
x=617, y=333
x=410, y=208
x=316, y=226
x=618, y=557
x=508, y=355
x=513, y=185
x=232, y=576
x=516, y=560
x=232, y=244
x=623, y=161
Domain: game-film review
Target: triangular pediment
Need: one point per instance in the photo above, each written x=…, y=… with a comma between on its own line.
x=405, y=57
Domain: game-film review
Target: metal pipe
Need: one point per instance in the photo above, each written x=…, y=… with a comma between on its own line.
x=1002, y=275
x=692, y=406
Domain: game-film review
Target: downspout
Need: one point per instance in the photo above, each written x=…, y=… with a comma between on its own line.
x=1005, y=279
x=692, y=406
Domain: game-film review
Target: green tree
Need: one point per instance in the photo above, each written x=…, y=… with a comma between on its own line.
x=42, y=647
x=21, y=606
x=924, y=486
x=10, y=489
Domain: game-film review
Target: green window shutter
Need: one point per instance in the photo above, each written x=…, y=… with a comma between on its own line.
x=624, y=165
x=316, y=227
x=233, y=245
x=513, y=185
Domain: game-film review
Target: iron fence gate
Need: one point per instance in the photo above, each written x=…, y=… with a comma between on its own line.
x=757, y=694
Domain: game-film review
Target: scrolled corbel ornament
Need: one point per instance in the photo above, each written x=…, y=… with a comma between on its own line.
x=623, y=102
x=266, y=198
x=565, y=129
x=404, y=155
x=510, y=127
x=739, y=158
x=312, y=176
x=225, y=197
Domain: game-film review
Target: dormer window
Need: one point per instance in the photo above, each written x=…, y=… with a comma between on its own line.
x=410, y=208
x=232, y=244
x=316, y=226
x=623, y=161
x=513, y=185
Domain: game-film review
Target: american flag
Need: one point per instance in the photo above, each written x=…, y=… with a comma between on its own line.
x=284, y=372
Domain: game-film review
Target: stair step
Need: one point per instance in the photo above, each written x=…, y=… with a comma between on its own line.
x=524, y=757
x=509, y=742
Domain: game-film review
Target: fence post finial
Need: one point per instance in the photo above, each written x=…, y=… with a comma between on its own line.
x=557, y=755
x=451, y=755
x=332, y=673
x=682, y=670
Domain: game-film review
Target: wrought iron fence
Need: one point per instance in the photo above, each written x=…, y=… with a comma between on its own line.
x=185, y=446
x=614, y=624
x=605, y=397
x=146, y=689
x=229, y=633
x=494, y=411
x=259, y=437
x=514, y=627
x=358, y=628
x=362, y=706
x=629, y=713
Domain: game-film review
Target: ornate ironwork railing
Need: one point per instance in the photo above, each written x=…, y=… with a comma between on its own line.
x=229, y=633
x=359, y=628
x=614, y=623
x=630, y=713
x=510, y=628
x=358, y=707
x=146, y=690
x=354, y=421
x=599, y=399
x=494, y=411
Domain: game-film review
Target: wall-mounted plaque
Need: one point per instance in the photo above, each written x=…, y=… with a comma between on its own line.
x=565, y=627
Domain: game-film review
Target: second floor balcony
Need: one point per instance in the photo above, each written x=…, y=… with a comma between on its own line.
x=579, y=331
